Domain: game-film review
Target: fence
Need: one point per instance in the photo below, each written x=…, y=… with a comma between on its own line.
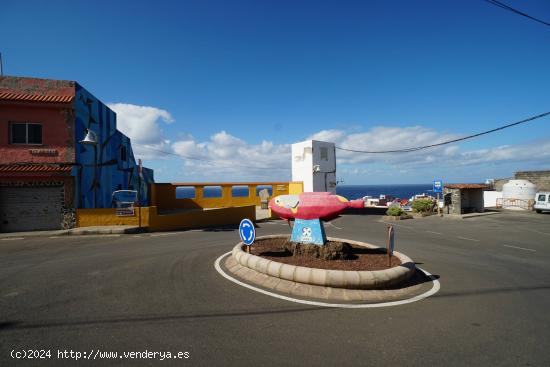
x=515, y=203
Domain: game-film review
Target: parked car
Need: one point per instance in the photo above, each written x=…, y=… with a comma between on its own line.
x=542, y=202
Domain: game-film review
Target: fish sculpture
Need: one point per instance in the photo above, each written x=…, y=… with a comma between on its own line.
x=312, y=205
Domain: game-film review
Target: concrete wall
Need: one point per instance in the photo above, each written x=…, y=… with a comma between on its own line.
x=295, y=188
x=306, y=156
x=201, y=219
x=490, y=198
x=107, y=168
x=166, y=222
x=108, y=217
x=57, y=133
x=163, y=195
x=541, y=179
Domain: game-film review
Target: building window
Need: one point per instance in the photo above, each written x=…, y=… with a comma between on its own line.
x=123, y=153
x=25, y=133
x=324, y=153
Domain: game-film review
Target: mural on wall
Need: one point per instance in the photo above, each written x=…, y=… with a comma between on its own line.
x=108, y=165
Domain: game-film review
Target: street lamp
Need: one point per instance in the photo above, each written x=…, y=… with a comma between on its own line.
x=91, y=139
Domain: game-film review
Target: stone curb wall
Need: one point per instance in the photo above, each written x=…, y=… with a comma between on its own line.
x=324, y=277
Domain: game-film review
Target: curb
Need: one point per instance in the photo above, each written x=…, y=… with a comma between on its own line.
x=79, y=231
x=324, y=277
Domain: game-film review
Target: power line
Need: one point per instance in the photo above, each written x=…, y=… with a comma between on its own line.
x=509, y=8
x=406, y=150
x=205, y=160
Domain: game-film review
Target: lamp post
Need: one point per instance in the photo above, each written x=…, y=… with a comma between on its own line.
x=91, y=139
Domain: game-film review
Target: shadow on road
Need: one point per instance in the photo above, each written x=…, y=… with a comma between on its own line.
x=22, y=325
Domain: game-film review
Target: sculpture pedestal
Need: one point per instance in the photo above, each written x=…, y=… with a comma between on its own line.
x=309, y=231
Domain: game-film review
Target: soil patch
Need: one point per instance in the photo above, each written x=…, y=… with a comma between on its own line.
x=359, y=258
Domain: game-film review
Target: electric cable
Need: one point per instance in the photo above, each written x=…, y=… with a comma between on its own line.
x=509, y=8
x=414, y=149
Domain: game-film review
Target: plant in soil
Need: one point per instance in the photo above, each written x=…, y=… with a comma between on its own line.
x=423, y=205
x=395, y=211
x=333, y=255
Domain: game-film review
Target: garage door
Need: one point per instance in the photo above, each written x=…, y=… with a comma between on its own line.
x=30, y=208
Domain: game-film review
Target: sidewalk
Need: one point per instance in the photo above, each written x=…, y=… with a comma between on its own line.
x=75, y=231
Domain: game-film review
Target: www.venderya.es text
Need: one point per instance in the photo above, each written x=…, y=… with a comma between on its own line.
x=95, y=354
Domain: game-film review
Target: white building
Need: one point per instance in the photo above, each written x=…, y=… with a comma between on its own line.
x=314, y=163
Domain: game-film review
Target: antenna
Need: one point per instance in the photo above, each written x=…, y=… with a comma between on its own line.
x=1, y=68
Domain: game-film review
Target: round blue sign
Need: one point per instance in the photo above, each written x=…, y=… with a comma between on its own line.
x=247, y=231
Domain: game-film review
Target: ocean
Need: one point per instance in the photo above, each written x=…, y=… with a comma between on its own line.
x=403, y=191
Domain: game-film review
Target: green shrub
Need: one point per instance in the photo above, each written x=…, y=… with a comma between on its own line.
x=422, y=205
x=395, y=211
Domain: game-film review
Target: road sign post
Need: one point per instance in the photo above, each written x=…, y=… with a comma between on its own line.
x=438, y=189
x=247, y=233
x=140, y=175
x=391, y=244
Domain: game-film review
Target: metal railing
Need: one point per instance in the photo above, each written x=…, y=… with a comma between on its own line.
x=526, y=204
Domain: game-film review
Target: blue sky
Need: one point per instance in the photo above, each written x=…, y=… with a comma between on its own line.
x=233, y=83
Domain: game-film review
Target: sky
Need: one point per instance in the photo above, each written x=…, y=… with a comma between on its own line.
x=219, y=90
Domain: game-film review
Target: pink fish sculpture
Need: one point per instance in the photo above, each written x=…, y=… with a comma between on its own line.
x=312, y=205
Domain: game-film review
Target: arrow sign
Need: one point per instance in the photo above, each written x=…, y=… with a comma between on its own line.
x=247, y=231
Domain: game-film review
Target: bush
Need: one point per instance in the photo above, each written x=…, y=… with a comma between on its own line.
x=395, y=211
x=422, y=205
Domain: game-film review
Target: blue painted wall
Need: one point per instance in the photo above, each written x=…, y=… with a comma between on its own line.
x=111, y=172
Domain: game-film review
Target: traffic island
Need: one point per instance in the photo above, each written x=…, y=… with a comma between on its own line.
x=329, y=273
x=344, y=281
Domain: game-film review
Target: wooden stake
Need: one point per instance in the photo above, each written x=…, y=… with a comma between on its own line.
x=390, y=228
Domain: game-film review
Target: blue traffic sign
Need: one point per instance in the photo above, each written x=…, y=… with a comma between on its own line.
x=247, y=231
x=438, y=186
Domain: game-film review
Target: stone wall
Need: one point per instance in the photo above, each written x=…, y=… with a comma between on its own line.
x=453, y=202
x=540, y=178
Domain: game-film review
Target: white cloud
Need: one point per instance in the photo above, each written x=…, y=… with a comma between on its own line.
x=143, y=124
x=393, y=138
x=382, y=138
x=226, y=157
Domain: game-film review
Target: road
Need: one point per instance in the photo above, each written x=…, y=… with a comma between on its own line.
x=160, y=293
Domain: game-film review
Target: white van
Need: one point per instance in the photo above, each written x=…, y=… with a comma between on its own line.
x=542, y=201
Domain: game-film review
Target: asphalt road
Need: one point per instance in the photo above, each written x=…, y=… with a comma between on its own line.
x=160, y=293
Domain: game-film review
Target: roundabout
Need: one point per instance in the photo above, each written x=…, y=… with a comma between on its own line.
x=398, y=285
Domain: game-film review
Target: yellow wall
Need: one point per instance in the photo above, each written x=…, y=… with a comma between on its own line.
x=163, y=195
x=296, y=187
x=201, y=218
x=164, y=222
x=108, y=217
x=223, y=210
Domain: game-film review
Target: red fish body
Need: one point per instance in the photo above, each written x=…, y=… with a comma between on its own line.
x=312, y=205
